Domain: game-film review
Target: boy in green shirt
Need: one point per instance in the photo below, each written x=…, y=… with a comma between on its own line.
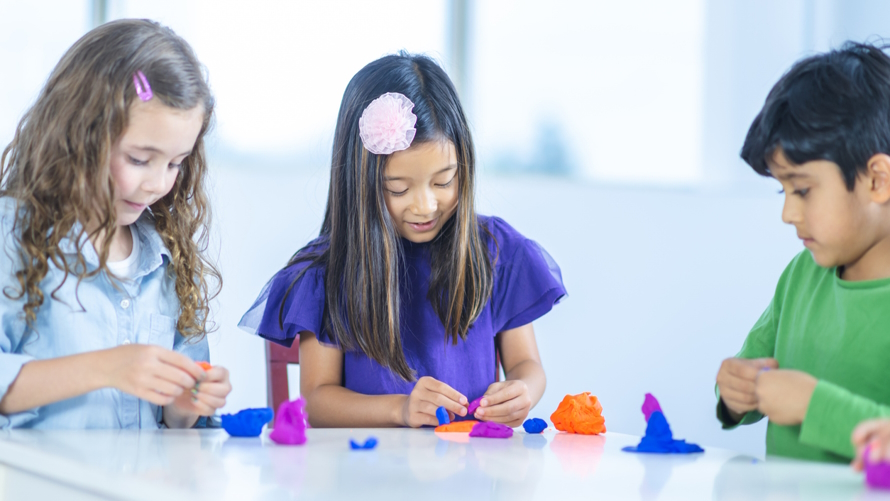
x=817, y=363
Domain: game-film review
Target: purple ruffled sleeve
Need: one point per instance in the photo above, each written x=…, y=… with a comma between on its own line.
x=302, y=311
x=527, y=280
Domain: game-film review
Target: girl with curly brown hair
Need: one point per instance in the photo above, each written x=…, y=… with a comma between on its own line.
x=104, y=218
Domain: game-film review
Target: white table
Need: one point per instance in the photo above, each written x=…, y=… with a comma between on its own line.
x=417, y=465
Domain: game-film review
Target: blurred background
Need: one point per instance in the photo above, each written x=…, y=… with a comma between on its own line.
x=607, y=131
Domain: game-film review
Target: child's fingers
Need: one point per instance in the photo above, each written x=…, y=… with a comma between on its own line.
x=743, y=369
x=425, y=414
x=183, y=363
x=857, y=462
x=219, y=390
x=503, y=394
x=866, y=429
x=210, y=401
x=155, y=397
x=175, y=375
x=438, y=400
x=164, y=387
x=738, y=385
x=217, y=374
x=441, y=388
x=506, y=411
x=494, y=388
x=762, y=363
x=733, y=397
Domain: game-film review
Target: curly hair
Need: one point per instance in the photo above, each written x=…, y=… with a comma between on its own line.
x=57, y=165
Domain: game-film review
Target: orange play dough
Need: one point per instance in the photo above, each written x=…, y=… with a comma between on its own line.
x=205, y=365
x=457, y=427
x=580, y=413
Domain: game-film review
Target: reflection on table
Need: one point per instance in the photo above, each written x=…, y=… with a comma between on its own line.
x=407, y=464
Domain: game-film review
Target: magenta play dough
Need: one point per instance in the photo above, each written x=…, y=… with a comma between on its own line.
x=471, y=409
x=877, y=474
x=491, y=430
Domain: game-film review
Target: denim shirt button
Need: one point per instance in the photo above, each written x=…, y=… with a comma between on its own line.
x=125, y=304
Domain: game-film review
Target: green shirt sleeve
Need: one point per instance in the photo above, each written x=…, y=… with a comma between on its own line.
x=833, y=413
x=760, y=343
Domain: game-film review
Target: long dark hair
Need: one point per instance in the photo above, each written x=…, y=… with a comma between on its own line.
x=56, y=166
x=362, y=252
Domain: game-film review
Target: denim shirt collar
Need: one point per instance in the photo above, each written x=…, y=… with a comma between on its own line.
x=153, y=248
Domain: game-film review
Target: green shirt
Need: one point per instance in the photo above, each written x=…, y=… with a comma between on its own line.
x=837, y=331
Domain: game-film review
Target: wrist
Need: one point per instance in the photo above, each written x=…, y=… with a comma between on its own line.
x=398, y=417
x=100, y=374
x=176, y=418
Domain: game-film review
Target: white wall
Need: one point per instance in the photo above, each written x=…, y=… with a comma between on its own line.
x=662, y=285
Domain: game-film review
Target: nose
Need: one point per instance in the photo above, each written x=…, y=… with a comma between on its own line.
x=790, y=211
x=155, y=179
x=424, y=203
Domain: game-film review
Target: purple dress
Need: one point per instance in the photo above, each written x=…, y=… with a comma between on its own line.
x=527, y=283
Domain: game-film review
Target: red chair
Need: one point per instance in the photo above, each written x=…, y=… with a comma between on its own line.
x=277, y=359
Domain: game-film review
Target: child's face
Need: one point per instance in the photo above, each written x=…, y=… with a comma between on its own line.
x=837, y=226
x=420, y=186
x=145, y=160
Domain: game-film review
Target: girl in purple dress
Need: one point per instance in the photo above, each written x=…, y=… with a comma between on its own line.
x=407, y=299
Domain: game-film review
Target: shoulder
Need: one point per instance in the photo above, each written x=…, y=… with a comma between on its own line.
x=306, y=265
x=503, y=239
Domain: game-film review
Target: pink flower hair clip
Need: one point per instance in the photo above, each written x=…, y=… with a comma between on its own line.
x=143, y=90
x=387, y=124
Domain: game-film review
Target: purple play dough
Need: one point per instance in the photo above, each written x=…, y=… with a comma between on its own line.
x=876, y=474
x=471, y=409
x=491, y=430
x=650, y=405
x=290, y=424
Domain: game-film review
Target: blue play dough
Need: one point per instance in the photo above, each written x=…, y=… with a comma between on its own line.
x=442, y=416
x=534, y=425
x=247, y=423
x=370, y=443
x=660, y=439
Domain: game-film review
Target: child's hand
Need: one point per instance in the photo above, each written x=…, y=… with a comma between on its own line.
x=784, y=395
x=149, y=372
x=428, y=395
x=208, y=395
x=505, y=402
x=736, y=381
x=874, y=434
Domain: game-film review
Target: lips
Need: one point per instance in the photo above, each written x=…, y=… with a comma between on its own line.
x=135, y=206
x=423, y=227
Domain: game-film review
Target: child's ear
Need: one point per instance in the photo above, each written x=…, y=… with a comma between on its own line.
x=879, y=177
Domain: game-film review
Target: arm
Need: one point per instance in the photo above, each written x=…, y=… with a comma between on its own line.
x=149, y=372
x=330, y=405
x=833, y=413
x=42, y=382
x=510, y=401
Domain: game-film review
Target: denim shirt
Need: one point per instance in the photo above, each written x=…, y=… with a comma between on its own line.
x=96, y=315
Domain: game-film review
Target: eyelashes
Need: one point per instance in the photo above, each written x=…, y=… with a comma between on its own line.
x=142, y=163
x=400, y=193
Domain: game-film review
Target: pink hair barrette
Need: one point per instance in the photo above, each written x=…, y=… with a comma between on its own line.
x=143, y=90
x=387, y=124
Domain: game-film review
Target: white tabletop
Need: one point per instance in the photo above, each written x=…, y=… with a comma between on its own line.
x=407, y=464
